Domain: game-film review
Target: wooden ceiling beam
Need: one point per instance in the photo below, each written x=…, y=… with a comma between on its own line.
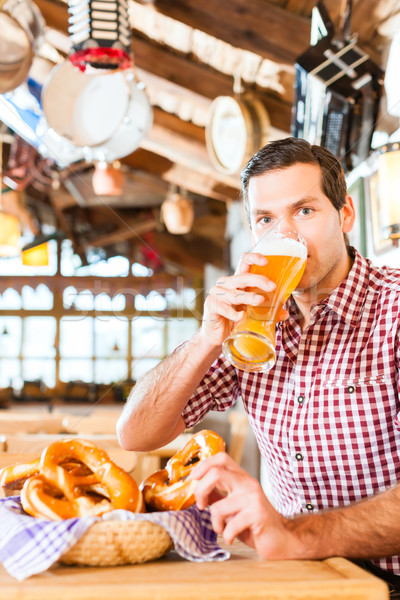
x=188, y=252
x=199, y=78
x=131, y=230
x=179, y=148
x=193, y=181
x=255, y=25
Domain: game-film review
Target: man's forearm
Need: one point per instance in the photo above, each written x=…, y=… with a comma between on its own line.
x=152, y=414
x=366, y=529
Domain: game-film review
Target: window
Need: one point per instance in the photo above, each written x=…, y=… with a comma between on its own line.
x=90, y=331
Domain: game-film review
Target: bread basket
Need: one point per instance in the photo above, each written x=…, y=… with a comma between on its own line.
x=110, y=543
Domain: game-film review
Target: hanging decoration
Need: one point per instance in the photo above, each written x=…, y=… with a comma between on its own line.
x=337, y=93
x=237, y=126
x=177, y=211
x=94, y=99
x=22, y=27
x=108, y=180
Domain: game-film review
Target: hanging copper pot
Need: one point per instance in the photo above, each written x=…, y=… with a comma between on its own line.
x=177, y=212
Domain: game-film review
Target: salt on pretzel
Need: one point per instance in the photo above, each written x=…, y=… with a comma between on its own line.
x=169, y=488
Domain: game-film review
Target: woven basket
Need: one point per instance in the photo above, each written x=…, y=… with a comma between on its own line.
x=109, y=543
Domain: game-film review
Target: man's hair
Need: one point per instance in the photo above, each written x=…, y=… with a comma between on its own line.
x=289, y=151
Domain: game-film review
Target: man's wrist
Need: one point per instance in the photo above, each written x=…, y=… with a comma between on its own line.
x=206, y=346
x=306, y=534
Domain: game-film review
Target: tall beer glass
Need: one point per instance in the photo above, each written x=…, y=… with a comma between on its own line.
x=251, y=344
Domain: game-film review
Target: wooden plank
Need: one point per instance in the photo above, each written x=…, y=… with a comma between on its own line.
x=133, y=230
x=254, y=25
x=190, y=179
x=199, y=78
x=188, y=252
x=185, y=152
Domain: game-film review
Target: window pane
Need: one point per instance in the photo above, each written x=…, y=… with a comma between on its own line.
x=39, y=337
x=140, y=367
x=9, y=372
x=110, y=371
x=76, y=370
x=40, y=369
x=139, y=270
x=153, y=301
x=111, y=337
x=70, y=262
x=185, y=299
x=178, y=331
x=10, y=300
x=76, y=337
x=147, y=337
x=105, y=302
x=40, y=298
x=10, y=336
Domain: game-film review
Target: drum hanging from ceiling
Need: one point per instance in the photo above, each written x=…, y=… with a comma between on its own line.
x=106, y=112
x=237, y=127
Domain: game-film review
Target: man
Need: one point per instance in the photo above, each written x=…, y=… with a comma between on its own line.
x=325, y=416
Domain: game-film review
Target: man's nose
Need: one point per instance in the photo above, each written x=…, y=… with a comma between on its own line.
x=285, y=226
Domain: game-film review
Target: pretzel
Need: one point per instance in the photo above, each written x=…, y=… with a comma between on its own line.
x=13, y=477
x=120, y=487
x=41, y=499
x=170, y=488
x=72, y=478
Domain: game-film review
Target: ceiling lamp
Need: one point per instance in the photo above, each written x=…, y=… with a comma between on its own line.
x=37, y=256
x=177, y=212
x=107, y=180
x=389, y=186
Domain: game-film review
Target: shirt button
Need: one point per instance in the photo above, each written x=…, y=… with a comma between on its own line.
x=309, y=506
x=351, y=389
x=300, y=399
x=299, y=456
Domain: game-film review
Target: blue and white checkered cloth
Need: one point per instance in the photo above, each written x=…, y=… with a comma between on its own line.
x=29, y=545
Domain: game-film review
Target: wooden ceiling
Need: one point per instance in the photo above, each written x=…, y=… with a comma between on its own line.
x=187, y=53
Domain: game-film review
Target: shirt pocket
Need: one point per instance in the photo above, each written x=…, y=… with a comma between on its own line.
x=359, y=408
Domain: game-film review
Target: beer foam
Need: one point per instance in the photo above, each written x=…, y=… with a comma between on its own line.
x=277, y=245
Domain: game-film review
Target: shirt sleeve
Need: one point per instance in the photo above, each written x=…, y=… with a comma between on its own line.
x=218, y=390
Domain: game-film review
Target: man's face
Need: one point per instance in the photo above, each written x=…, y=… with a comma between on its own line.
x=292, y=199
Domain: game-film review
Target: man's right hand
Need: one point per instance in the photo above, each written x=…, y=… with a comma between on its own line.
x=226, y=303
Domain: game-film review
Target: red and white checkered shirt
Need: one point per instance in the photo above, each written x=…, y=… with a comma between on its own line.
x=326, y=417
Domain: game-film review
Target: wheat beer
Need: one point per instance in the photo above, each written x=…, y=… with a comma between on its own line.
x=251, y=345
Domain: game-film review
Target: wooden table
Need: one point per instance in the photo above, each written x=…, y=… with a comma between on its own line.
x=244, y=575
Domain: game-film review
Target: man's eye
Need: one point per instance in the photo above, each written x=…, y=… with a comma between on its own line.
x=306, y=210
x=265, y=220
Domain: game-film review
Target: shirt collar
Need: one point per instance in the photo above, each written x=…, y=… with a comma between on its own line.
x=347, y=300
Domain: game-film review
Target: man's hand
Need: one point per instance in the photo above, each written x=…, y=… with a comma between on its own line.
x=226, y=303
x=239, y=508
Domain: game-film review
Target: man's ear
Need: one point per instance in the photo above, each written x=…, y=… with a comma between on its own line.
x=348, y=215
